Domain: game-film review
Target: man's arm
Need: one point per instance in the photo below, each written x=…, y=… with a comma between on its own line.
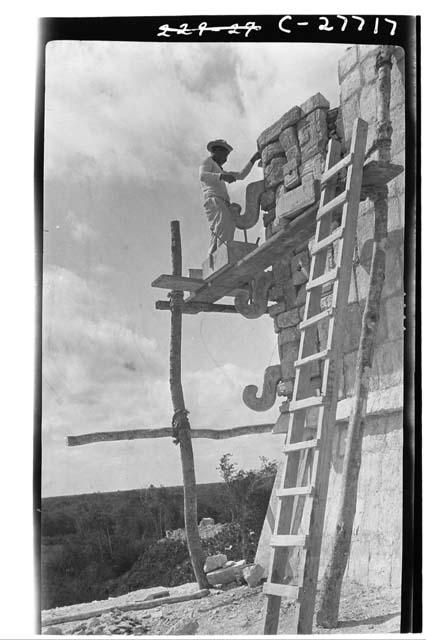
x=210, y=177
x=240, y=175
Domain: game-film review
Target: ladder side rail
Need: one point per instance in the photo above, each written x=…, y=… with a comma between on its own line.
x=310, y=579
x=279, y=556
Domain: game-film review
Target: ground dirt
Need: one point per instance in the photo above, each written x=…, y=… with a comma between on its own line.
x=236, y=610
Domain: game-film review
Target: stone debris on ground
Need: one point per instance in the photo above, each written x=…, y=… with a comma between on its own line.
x=240, y=610
x=253, y=574
x=215, y=562
x=112, y=623
x=206, y=522
x=185, y=627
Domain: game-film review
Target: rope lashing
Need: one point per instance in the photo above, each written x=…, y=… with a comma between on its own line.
x=179, y=421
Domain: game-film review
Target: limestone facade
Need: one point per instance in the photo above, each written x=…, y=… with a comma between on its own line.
x=292, y=186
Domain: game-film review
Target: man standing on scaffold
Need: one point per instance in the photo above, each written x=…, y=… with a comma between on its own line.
x=220, y=212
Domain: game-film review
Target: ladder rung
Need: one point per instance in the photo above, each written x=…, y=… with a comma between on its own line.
x=281, y=590
x=327, y=313
x=303, y=444
x=294, y=491
x=326, y=242
x=306, y=403
x=318, y=355
x=288, y=540
x=329, y=276
x=344, y=162
x=333, y=204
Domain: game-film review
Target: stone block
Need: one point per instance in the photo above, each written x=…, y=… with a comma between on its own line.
x=367, y=103
x=312, y=133
x=397, y=116
x=349, y=362
x=313, y=166
x=387, y=369
x=272, y=133
x=371, y=138
x=352, y=324
x=350, y=111
x=273, y=173
x=290, y=143
x=368, y=69
x=395, y=317
x=184, y=627
x=267, y=200
x=225, y=575
x=397, y=185
x=253, y=574
x=271, y=151
x=214, y=562
x=351, y=84
x=347, y=62
x=301, y=295
x=394, y=272
x=288, y=354
x=315, y=102
x=365, y=50
x=227, y=253
x=292, y=203
x=291, y=174
x=275, y=309
x=300, y=264
x=397, y=84
x=291, y=334
x=287, y=319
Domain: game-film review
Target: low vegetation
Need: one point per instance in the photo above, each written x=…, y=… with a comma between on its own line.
x=103, y=544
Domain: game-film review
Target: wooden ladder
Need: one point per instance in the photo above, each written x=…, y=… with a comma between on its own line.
x=303, y=487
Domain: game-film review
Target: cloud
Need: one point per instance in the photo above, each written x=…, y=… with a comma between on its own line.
x=79, y=229
x=212, y=73
x=147, y=109
x=98, y=374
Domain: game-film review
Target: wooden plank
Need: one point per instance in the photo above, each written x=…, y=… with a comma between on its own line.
x=177, y=283
x=295, y=491
x=309, y=322
x=318, y=355
x=281, y=590
x=306, y=403
x=166, y=432
x=334, y=170
x=288, y=540
x=333, y=204
x=328, y=276
x=48, y=620
x=275, y=248
x=320, y=246
x=304, y=444
x=197, y=307
x=226, y=254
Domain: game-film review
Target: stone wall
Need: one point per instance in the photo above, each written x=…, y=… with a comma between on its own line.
x=376, y=543
x=293, y=152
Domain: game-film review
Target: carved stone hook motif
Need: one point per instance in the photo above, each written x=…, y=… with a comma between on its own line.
x=270, y=382
x=249, y=218
x=253, y=304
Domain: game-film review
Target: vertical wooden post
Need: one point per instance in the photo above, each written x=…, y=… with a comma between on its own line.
x=181, y=426
x=328, y=612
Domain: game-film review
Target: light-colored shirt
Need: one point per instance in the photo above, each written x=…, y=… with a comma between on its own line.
x=212, y=185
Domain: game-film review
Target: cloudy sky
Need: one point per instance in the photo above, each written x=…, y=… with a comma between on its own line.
x=126, y=128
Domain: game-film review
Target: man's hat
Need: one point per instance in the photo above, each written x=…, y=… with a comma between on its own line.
x=219, y=143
